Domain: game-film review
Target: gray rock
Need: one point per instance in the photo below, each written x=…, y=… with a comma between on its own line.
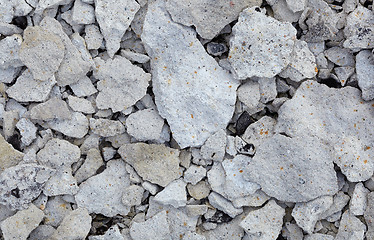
x=27, y=130
x=8, y=155
x=177, y=90
x=256, y=133
x=319, y=236
x=52, y=109
x=42, y=232
x=205, y=16
x=92, y=163
x=9, y=74
x=76, y=127
x=254, y=200
x=216, y=49
x=249, y=94
x=145, y=125
x=369, y=213
x=135, y=57
x=114, y=23
x=61, y=183
x=80, y=105
x=358, y=202
x=93, y=37
x=133, y=195
x=282, y=11
x=156, y=227
x=264, y=223
x=83, y=87
x=8, y=29
x=340, y=201
x=268, y=89
x=340, y=56
x=21, y=184
x=350, y=227
x=194, y=174
x=108, y=187
x=10, y=119
x=155, y=163
x=106, y=127
x=55, y=211
x=296, y=6
x=112, y=233
x=223, y=204
x=121, y=83
x=262, y=58
x=82, y=13
x=344, y=73
x=230, y=230
x=292, y=231
x=365, y=71
x=9, y=9
x=199, y=191
x=215, y=146
x=9, y=48
x=173, y=194
x=20, y=225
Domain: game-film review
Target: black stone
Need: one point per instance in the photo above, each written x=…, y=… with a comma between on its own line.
x=243, y=122
x=20, y=22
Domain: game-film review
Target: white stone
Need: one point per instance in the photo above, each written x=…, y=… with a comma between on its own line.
x=9, y=51
x=9, y=9
x=150, y=187
x=283, y=12
x=76, y=127
x=135, y=57
x=156, y=227
x=55, y=211
x=42, y=232
x=223, y=204
x=82, y=13
x=114, y=17
x=9, y=74
x=173, y=194
x=52, y=109
x=205, y=16
x=249, y=94
x=215, y=146
x=254, y=200
x=296, y=5
x=340, y=201
x=83, y=87
x=179, y=83
x=350, y=227
x=193, y=236
x=365, y=71
x=340, y=56
x=92, y=163
x=20, y=225
x=8, y=29
x=108, y=188
x=44, y=4
x=62, y=182
x=358, y=202
x=121, y=83
x=318, y=236
x=261, y=46
x=264, y=223
x=194, y=174
x=145, y=125
x=256, y=133
x=106, y=127
x=132, y=196
x=93, y=37
x=80, y=105
x=27, y=130
x=112, y=233
x=10, y=119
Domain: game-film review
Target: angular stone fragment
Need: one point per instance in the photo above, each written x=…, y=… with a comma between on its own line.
x=121, y=83
x=291, y=167
x=230, y=230
x=156, y=227
x=296, y=5
x=261, y=46
x=318, y=236
x=109, y=187
x=208, y=17
x=133, y=195
x=21, y=184
x=112, y=233
x=28, y=89
x=9, y=9
x=340, y=201
x=249, y=94
x=52, y=109
x=145, y=125
x=42, y=52
x=8, y=155
x=223, y=204
x=215, y=146
x=358, y=202
x=42, y=232
x=55, y=211
x=93, y=37
x=92, y=163
x=9, y=51
x=20, y=225
x=194, y=174
x=199, y=191
x=155, y=163
x=264, y=223
x=83, y=87
x=340, y=56
x=82, y=13
x=369, y=214
x=173, y=194
x=76, y=225
x=106, y=127
x=350, y=227
x=365, y=73
x=41, y=5
x=62, y=182
x=135, y=57
x=282, y=11
x=197, y=99
x=75, y=127
x=81, y=105
x=114, y=17
x=27, y=130
x=258, y=132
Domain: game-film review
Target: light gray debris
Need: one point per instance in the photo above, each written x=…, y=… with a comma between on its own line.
x=42, y=232
x=365, y=73
x=108, y=153
x=8, y=155
x=254, y=200
x=244, y=148
x=340, y=56
x=135, y=57
x=92, y=163
x=106, y=127
x=42, y=5
x=112, y=233
x=9, y=74
x=10, y=9
x=93, y=37
x=256, y=133
x=199, y=191
x=349, y=5
x=82, y=13
x=42, y=52
x=193, y=236
x=83, y=87
x=10, y=119
x=145, y=125
x=369, y=214
x=318, y=236
x=9, y=52
x=230, y=230
x=20, y=225
x=214, y=147
x=150, y=187
x=27, y=130
x=205, y=16
x=113, y=22
x=249, y=94
x=80, y=105
x=54, y=108
x=296, y=5
x=230, y=146
x=91, y=141
x=194, y=174
x=155, y=163
x=344, y=73
x=282, y=11
x=216, y=49
x=177, y=90
x=221, y=203
x=76, y=225
x=340, y=201
x=264, y=223
x=350, y=227
x=55, y=211
x=119, y=140
x=268, y=89
x=76, y=127
x=21, y=184
x=261, y=46
x=8, y=29
x=293, y=177
x=121, y=83
x=358, y=202
x=57, y=153
x=292, y=231
x=109, y=187
x=157, y=227
x=132, y=196
x=307, y=214
x=173, y=194
x=62, y=182
x=217, y=178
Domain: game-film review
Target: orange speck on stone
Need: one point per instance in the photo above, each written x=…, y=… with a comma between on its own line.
x=241, y=171
x=191, y=43
x=230, y=86
x=234, y=175
x=195, y=72
x=355, y=125
x=267, y=132
x=281, y=168
x=191, y=115
x=184, y=224
x=231, y=57
x=365, y=161
x=367, y=148
x=316, y=69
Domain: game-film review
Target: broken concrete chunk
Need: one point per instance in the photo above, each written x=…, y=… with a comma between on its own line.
x=173, y=194
x=350, y=227
x=114, y=17
x=254, y=200
x=340, y=56
x=92, y=163
x=282, y=11
x=135, y=57
x=112, y=233
x=54, y=108
x=258, y=132
x=76, y=127
x=8, y=155
x=9, y=51
x=83, y=87
x=358, y=202
x=194, y=174
x=76, y=225
x=42, y=232
x=93, y=37
x=344, y=73
x=264, y=223
x=20, y=225
x=80, y=105
x=42, y=52
x=199, y=191
x=249, y=94
x=82, y=13
x=57, y=153
x=230, y=230
x=145, y=125
x=21, y=184
x=318, y=236
x=157, y=227
x=221, y=203
x=268, y=89
x=369, y=214
x=55, y=211
x=155, y=163
x=109, y=186
x=296, y=5
x=10, y=9
x=133, y=195
x=27, y=130
x=10, y=119
x=340, y=201
x=106, y=127
x=61, y=183
x=215, y=146
x=121, y=83
x=204, y=15
x=178, y=89
x=264, y=43
x=293, y=177
x=365, y=73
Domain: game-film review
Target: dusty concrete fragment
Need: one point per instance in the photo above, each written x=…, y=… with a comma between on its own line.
x=112, y=233
x=55, y=211
x=264, y=223
x=340, y=201
x=258, y=132
x=155, y=163
x=109, y=187
x=106, y=127
x=21, y=184
x=215, y=146
x=133, y=195
x=9, y=52
x=365, y=73
x=62, y=182
x=10, y=119
x=344, y=73
x=199, y=191
x=8, y=155
x=135, y=57
x=358, y=202
x=82, y=13
x=42, y=52
x=249, y=94
x=350, y=227
x=41, y=5
x=268, y=89
x=369, y=214
x=75, y=127
x=145, y=125
x=10, y=9
x=121, y=83
x=9, y=74
x=92, y=163
x=254, y=200
x=194, y=174
x=20, y=225
x=208, y=17
x=80, y=105
x=54, y=108
x=114, y=17
x=292, y=231
x=296, y=5
x=173, y=194
x=27, y=130
x=221, y=203
x=340, y=56
x=76, y=225
x=282, y=11
x=293, y=177
x=267, y=45
x=177, y=90
x=83, y=87
x=318, y=236
x=156, y=227
x=230, y=230
x=42, y=232
x=57, y=153
x=8, y=29
x=93, y=37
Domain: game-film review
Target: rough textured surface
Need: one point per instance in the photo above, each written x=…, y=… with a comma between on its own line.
x=365, y=71
x=173, y=194
x=145, y=125
x=106, y=128
x=8, y=155
x=76, y=127
x=156, y=227
x=179, y=83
